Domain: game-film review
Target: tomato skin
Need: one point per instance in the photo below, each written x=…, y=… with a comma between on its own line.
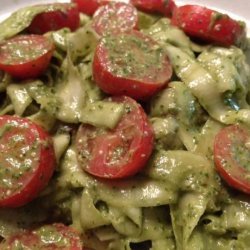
x=33, y=240
x=121, y=152
x=89, y=7
x=114, y=18
x=136, y=86
x=55, y=20
x=26, y=66
x=208, y=25
x=227, y=143
x=40, y=152
x=159, y=6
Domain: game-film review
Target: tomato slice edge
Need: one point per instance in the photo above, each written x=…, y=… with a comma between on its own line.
x=39, y=175
x=229, y=169
x=33, y=65
x=140, y=152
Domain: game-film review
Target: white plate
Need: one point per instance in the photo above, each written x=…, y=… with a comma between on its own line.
x=238, y=9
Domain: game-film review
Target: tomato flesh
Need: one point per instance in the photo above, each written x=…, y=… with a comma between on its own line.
x=120, y=152
x=131, y=64
x=208, y=25
x=68, y=17
x=26, y=56
x=27, y=160
x=159, y=6
x=115, y=18
x=232, y=156
x=49, y=237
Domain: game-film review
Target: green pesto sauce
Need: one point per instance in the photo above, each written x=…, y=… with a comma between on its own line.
x=17, y=158
x=134, y=57
x=19, y=52
x=216, y=16
x=241, y=154
x=50, y=235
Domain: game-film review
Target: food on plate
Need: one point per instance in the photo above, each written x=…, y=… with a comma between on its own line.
x=208, y=25
x=115, y=18
x=121, y=152
x=27, y=160
x=56, y=237
x=131, y=64
x=89, y=7
x=231, y=155
x=159, y=6
x=26, y=56
x=66, y=16
x=116, y=138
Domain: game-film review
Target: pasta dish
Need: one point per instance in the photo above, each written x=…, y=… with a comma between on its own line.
x=124, y=126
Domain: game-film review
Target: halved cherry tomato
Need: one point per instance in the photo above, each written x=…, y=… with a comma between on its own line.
x=27, y=160
x=115, y=18
x=165, y=7
x=208, y=25
x=120, y=152
x=67, y=17
x=232, y=156
x=26, y=56
x=131, y=64
x=49, y=237
x=89, y=6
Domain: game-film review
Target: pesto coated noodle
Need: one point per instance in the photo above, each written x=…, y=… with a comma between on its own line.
x=178, y=201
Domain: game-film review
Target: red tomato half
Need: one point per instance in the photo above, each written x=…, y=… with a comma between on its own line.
x=232, y=156
x=165, y=7
x=27, y=160
x=67, y=17
x=115, y=18
x=50, y=237
x=26, y=56
x=120, y=152
x=131, y=64
x=208, y=25
x=89, y=6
